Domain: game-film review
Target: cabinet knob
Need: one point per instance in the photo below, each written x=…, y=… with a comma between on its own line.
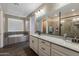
x=32, y=41
x=43, y=42
x=42, y=48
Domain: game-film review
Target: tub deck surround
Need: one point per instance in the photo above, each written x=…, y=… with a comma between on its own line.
x=59, y=40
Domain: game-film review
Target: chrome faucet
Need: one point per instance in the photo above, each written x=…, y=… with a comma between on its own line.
x=75, y=39
x=65, y=36
x=75, y=36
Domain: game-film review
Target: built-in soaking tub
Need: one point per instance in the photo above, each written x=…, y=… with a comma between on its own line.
x=16, y=38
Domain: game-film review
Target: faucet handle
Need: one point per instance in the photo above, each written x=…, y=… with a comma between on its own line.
x=65, y=35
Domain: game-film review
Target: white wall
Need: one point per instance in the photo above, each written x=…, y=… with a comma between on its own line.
x=1, y=28
x=32, y=25
x=27, y=26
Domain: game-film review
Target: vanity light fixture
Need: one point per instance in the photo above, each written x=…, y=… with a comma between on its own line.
x=74, y=14
x=73, y=19
x=73, y=9
x=55, y=14
x=38, y=12
x=77, y=19
x=62, y=21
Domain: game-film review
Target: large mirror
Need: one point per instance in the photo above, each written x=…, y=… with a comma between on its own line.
x=70, y=26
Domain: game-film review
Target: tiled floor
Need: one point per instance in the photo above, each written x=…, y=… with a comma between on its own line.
x=19, y=49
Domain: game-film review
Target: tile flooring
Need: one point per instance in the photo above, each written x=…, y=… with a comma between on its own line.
x=18, y=49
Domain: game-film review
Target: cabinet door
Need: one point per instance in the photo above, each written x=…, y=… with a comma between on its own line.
x=31, y=42
x=36, y=45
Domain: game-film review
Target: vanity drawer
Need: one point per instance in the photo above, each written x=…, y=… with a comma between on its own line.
x=64, y=51
x=45, y=49
x=43, y=42
x=55, y=52
x=41, y=53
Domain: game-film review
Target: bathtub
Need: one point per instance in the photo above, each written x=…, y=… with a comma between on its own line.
x=16, y=38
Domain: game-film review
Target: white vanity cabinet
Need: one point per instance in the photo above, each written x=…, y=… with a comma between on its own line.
x=41, y=47
x=57, y=50
x=34, y=43
x=47, y=48
x=31, y=42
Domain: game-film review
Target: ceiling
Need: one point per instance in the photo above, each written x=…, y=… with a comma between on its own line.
x=24, y=9
x=67, y=9
x=19, y=9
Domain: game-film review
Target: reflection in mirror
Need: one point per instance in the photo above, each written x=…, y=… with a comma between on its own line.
x=70, y=26
x=44, y=24
x=38, y=24
x=53, y=26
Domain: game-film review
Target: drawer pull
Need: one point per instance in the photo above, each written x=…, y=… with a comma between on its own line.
x=43, y=42
x=42, y=48
x=32, y=41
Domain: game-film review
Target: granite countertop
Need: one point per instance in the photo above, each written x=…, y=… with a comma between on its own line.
x=59, y=40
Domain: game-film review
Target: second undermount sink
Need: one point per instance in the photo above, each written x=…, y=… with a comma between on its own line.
x=68, y=40
x=71, y=40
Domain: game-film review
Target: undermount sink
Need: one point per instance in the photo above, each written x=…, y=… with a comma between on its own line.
x=72, y=40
